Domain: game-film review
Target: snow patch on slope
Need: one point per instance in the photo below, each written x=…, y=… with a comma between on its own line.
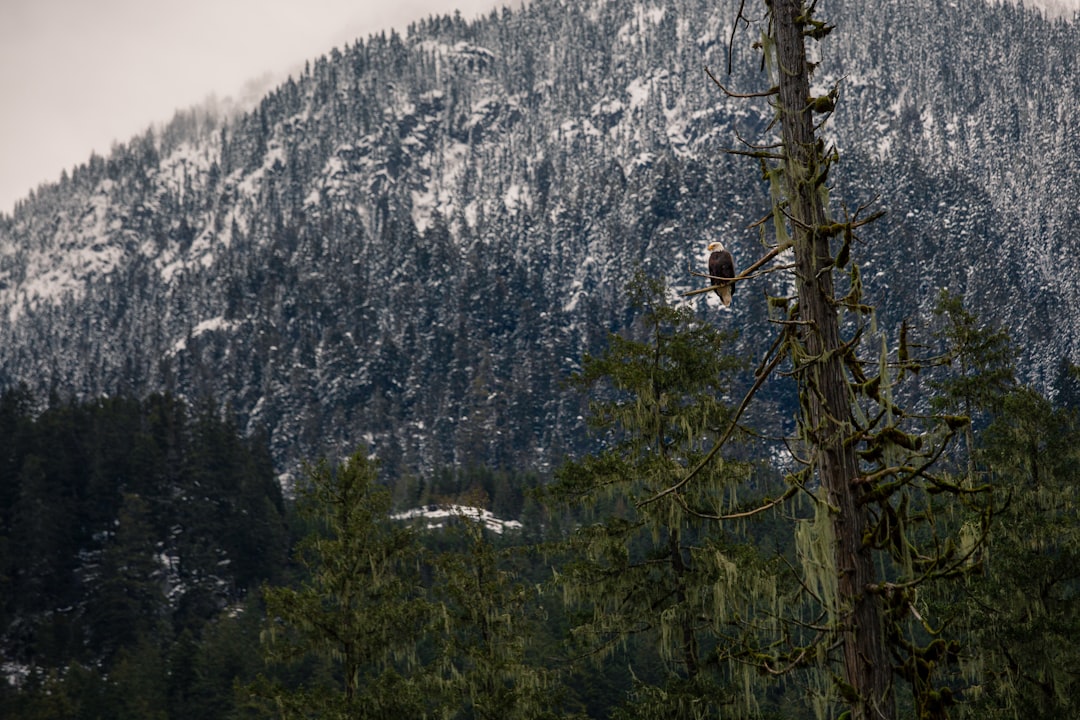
x=80, y=248
x=214, y=324
x=438, y=515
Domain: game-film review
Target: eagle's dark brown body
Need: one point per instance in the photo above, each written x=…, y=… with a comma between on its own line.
x=721, y=266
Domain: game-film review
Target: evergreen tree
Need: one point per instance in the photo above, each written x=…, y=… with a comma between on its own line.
x=137, y=683
x=47, y=543
x=128, y=605
x=100, y=510
x=980, y=372
x=360, y=610
x=482, y=667
x=1025, y=608
x=880, y=529
x=655, y=567
x=226, y=656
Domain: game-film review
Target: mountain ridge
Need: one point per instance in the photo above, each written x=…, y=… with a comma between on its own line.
x=411, y=243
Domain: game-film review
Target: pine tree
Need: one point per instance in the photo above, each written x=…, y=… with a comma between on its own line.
x=43, y=533
x=880, y=529
x=653, y=567
x=360, y=610
x=482, y=667
x=128, y=605
x=1024, y=610
x=137, y=683
x=980, y=371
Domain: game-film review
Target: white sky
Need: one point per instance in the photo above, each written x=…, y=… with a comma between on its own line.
x=78, y=75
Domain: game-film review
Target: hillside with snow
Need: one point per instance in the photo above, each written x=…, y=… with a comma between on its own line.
x=411, y=244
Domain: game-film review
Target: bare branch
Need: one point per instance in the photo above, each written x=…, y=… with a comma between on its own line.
x=731, y=40
x=730, y=281
x=747, y=274
x=788, y=494
x=749, y=144
x=755, y=154
x=719, y=443
x=765, y=93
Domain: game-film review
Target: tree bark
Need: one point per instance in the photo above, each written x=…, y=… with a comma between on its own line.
x=822, y=379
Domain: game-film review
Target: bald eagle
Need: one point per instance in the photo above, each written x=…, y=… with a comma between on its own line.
x=721, y=267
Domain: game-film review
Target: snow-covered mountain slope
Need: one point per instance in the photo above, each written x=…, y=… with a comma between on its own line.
x=411, y=244
x=1056, y=8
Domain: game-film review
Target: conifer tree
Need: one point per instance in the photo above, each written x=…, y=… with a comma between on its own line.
x=361, y=608
x=137, y=685
x=876, y=535
x=980, y=371
x=128, y=606
x=658, y=572
x=816, y=351
x=482, y=669
x=1023, y=610
x=1020, y=612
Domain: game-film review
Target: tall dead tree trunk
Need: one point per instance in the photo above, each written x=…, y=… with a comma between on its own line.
x=824, y=391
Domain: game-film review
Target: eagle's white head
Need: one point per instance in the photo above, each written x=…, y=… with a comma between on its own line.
x=715, y=247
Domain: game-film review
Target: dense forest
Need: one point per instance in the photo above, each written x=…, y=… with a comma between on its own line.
x=410, y=243
x=152, y=568
x=553, y=483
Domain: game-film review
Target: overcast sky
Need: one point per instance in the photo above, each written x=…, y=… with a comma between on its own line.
x=78, y=75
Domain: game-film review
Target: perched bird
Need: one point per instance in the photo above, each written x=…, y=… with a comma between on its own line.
x=721, y=267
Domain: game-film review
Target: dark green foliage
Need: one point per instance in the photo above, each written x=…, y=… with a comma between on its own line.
x=648, y=569
x=486, y=626
x=1015, y=615
x=124, y=527
x=1025, y=607
x=243, y=513
x=137, y=686
x=360, y=609
x=382, y=624
x=662, y=590
x=126, y=604
x=981, y=360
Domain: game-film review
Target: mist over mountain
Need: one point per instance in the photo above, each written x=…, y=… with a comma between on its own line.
x=410, y=245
